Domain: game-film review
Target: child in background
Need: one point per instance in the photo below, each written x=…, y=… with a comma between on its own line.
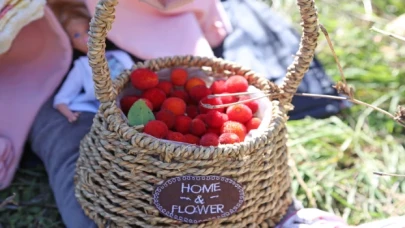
x=77, y=91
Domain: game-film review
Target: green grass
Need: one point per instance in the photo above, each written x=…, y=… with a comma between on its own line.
x=33, y=203
x=337, y=160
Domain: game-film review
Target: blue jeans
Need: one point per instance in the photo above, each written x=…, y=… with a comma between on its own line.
x=56, y=142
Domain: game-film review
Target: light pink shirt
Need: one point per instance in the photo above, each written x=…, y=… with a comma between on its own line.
x=148, y=32
x=29, y=73
x=41, y=55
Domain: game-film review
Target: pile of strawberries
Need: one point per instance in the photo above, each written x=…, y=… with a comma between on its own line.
x=179, y=114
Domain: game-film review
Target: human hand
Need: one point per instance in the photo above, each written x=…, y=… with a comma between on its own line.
x=65, y=111
x=73, y=117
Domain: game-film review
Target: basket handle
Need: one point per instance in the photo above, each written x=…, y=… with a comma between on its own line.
x=306, y=51
x=100, y=25
x=104, y=15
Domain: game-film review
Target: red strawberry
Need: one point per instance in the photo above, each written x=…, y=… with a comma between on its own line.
x=144, y=79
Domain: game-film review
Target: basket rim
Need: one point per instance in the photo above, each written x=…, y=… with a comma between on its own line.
x=103, y=18
x=165, y=147
x=115, y=119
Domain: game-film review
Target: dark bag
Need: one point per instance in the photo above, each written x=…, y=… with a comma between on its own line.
x=264, y=42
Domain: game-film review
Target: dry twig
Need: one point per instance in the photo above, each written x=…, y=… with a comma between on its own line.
x=8, y=200
x=323, y=29
x=388, y=174
x=304, y=186
x=341, y=86
x=388, y=34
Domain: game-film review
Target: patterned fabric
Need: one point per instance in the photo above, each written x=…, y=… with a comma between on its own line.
x=312, y=217
x=299, y=217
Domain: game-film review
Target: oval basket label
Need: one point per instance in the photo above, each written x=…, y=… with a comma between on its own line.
x=196, y=199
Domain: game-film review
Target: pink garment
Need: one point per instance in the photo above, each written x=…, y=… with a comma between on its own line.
x=41, y=55
x=148, y=32
x=29, y=73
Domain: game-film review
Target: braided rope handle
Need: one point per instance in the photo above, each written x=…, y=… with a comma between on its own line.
x=104, y=16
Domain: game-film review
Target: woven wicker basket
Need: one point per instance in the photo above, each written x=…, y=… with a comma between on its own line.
x=119, y=167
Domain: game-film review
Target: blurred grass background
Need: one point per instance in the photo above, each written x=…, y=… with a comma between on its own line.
x=333, y=166
x=337, y=160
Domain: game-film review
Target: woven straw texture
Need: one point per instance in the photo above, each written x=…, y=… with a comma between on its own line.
x=119, y=167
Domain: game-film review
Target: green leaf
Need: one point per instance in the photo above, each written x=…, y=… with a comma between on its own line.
x=140, y=114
